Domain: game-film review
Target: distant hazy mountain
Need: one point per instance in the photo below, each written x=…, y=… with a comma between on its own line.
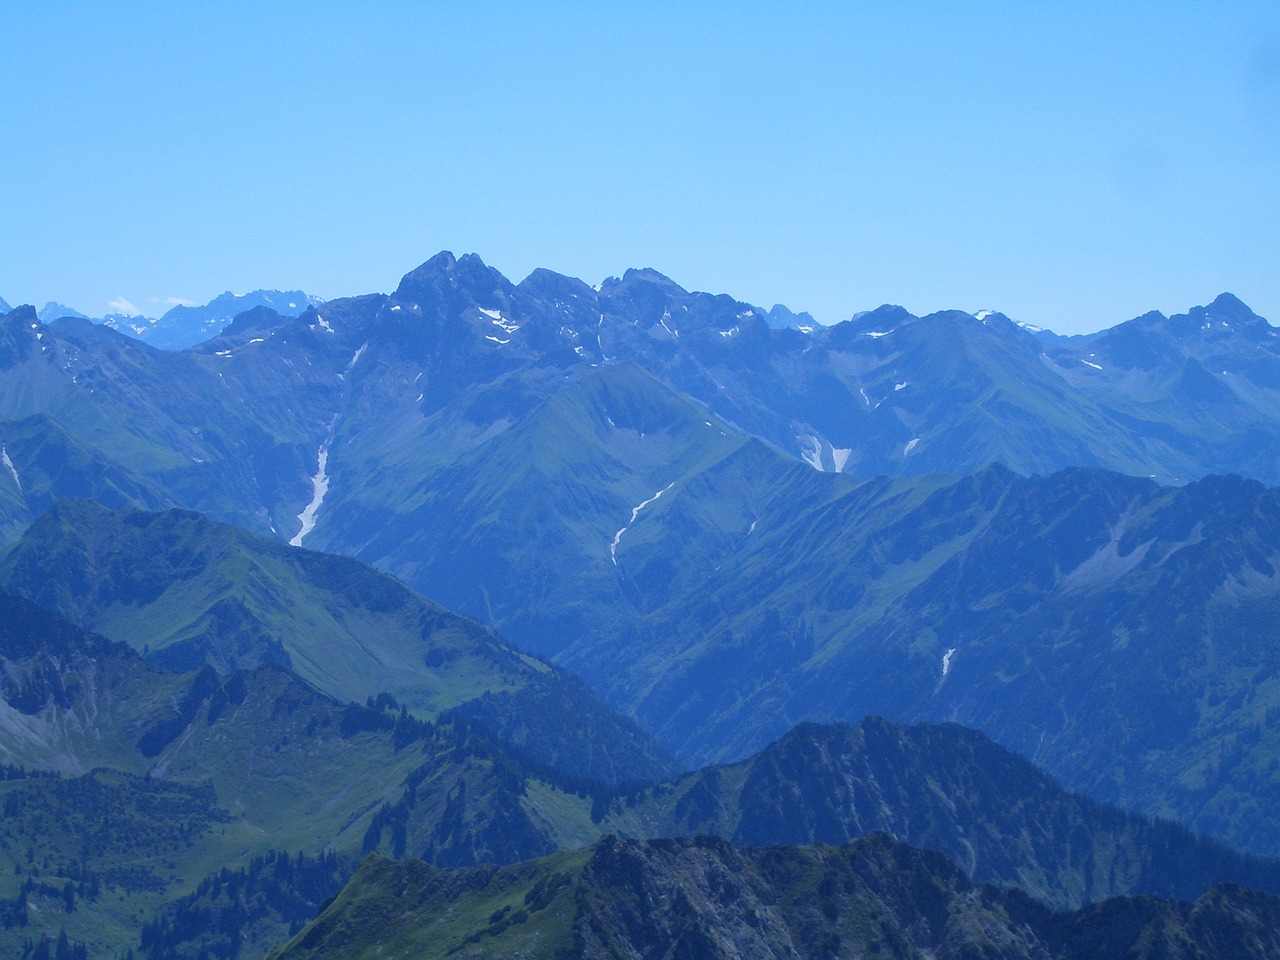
x=184, y=326
x=780, y=318
x=130, y=324
x=52, y=311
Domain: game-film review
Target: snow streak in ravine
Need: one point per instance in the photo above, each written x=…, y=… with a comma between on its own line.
x=319, y=487
x=13, y=471
x=635, y=512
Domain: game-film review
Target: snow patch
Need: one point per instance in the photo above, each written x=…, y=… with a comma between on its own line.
x=495, y=339
x=727, y=333
x=257, y=340
x=395, y=308
x=1088, y=363
x=322, y=323
x=635, y=512
x=911, y=445
x=983, y=314
x=666, y=315
x=599, y=343
x=901, y=386
x=498, y=320
x=13, y=471
x=877, y=334
x=811, y=452
x=358, y=354
x=319, y=487
x=946, y=661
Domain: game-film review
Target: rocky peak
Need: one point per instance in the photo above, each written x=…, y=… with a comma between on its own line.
x=454, y=281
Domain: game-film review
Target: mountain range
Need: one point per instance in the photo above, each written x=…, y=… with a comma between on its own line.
x=457, y=344
x=603, y=475
x=136, y=792
x=184, y=325
x=726, y=521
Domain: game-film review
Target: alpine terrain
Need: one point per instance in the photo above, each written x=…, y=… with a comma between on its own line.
x=486, y=618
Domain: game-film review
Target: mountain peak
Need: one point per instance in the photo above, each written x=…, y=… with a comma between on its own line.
x=650, y=275
x=443, y=274
x=1226, y=316
x=782, y=317
x=1229, y=309
x=23, y=313
x=547, y=283
x=886, y=312
x=1229, y=303
x=255, y=318
x=55, y=311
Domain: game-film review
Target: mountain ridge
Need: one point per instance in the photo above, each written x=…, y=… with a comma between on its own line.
x=704, y=898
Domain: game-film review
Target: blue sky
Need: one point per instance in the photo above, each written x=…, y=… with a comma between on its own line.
x=1073, y=164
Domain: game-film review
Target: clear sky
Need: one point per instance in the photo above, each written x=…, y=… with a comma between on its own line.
x=1071, y=164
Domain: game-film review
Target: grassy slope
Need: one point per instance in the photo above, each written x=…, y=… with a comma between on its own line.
x=234, y=767
x=185, y=590
x=520, y=528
